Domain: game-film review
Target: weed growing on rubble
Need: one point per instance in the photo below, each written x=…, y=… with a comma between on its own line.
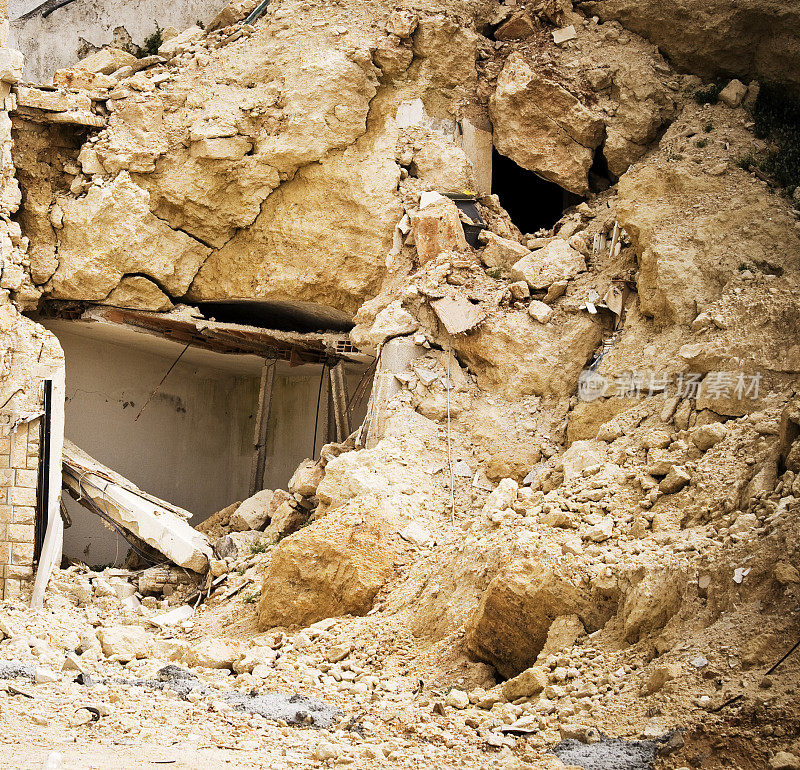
x=708, y=95
x=151, y=43
x=777, y=120
x=701, y=143
x=250, y=599
x=258, y=547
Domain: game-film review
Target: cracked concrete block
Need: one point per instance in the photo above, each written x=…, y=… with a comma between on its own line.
x=221, y=148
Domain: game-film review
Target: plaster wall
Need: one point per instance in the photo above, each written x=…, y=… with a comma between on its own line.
x=193, y=444
x=51, y=43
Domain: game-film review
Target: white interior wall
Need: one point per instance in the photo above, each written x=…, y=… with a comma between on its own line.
x=193, y=444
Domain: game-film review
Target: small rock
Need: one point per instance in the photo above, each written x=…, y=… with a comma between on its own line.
x=339, y=652
x=124, y=643
x=214, y=653
x=416, y=534
x=579, y=732
x=45, y=675
x=540, y=311
x=520, y=290
x=530, y=682
x=733, y=93
x=707, y=436
x=662, y=674
x=786, y=573
x=745, y=523
x=675, y=480
x=325, y=750
x=602, y=531
x=564, y=34
x=784, y=760
x=457, y=699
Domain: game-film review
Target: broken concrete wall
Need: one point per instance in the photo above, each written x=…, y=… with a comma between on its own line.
x=28, y=354
x=53, y=42
x=193, y=444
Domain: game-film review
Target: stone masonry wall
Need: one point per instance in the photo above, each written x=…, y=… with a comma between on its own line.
x=19, y=469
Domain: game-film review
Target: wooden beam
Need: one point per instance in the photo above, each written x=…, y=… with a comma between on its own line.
x=260, y=429
x=341, y=412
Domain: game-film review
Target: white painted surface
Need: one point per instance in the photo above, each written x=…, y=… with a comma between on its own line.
x=51, y=43
x=193, y=445
x=53, y=544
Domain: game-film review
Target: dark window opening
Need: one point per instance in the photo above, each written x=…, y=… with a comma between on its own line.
x=285, y=316
x=532, y=203
x=600, y=177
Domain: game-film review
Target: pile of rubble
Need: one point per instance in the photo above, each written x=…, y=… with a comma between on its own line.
x=567, y=530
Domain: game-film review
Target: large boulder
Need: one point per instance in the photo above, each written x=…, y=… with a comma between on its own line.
x=543, y=127
x=725, y=38
x=513, y=355
x=510, y=626
x=662, y=199
x=99, y=244
x=333, y=567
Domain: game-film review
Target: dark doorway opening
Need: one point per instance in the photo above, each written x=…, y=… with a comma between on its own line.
x=600, y=178
x=532, y=203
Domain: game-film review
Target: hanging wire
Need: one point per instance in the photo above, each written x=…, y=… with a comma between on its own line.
x=316, y=418
x=150, y=397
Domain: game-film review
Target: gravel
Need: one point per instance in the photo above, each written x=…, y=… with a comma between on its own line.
x=14, y=670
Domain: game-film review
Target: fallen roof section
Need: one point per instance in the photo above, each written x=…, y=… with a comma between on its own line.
x=158, y=523
x=295, y=347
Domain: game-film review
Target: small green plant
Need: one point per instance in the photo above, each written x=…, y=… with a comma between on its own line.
x=250, y=598
x=259, y=547
x=708, y=95
x=494, y=272
x=708, y=127
x=747, y=161
x=776, y=115
x=240, y=571
x=701, y=143
x=151, y=43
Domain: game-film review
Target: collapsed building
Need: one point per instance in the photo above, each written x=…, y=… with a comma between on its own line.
x=472, y=320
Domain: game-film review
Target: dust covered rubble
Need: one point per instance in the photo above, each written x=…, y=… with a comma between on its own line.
x=620, y=566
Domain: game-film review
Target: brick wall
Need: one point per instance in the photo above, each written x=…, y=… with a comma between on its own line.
x=19, y=465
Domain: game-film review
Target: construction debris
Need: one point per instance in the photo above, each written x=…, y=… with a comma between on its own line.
x=120, y=502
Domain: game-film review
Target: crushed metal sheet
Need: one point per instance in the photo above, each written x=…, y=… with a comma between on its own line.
x=457, y=314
